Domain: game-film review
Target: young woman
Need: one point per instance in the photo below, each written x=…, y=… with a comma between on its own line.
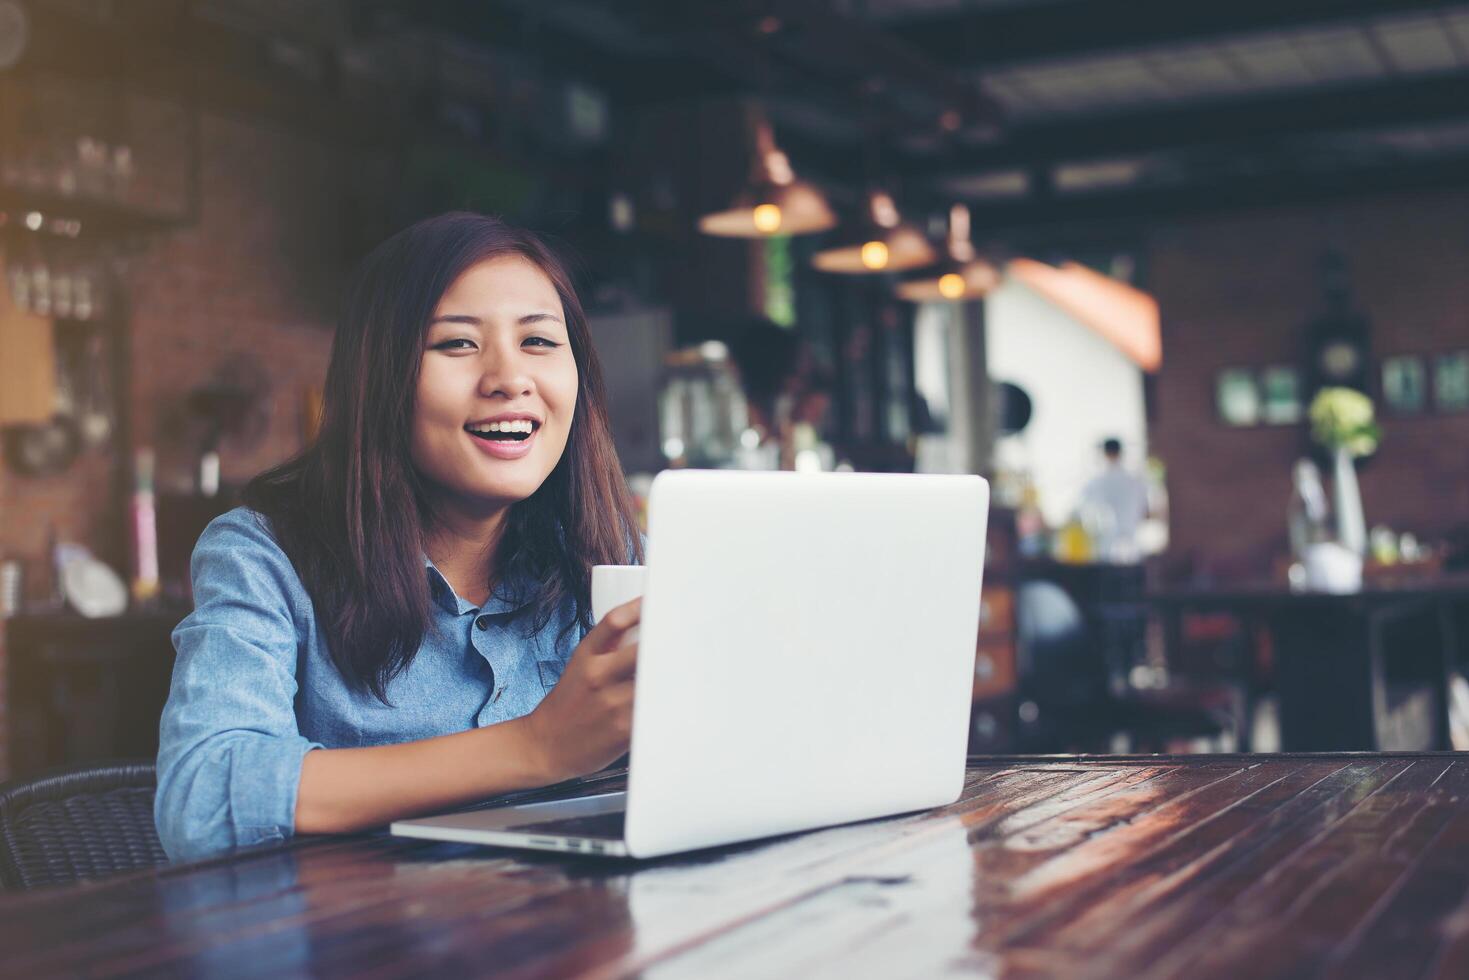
x=398, y=619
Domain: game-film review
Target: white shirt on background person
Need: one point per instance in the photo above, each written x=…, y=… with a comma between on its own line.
x=1122, y=498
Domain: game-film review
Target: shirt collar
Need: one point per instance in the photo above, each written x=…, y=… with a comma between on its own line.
x=510, y=595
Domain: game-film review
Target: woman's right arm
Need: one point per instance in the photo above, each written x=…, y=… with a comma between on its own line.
x=234, y=770
x=581, y=726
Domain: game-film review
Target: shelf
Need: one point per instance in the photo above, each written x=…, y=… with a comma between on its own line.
x=96, y=217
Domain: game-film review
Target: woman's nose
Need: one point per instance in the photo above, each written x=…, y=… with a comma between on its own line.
x=504, y=372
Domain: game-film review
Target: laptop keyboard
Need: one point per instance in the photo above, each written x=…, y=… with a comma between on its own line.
x=606, y=826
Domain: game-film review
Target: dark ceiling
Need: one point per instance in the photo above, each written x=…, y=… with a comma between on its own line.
x=1045, y=111
x=1036, y=112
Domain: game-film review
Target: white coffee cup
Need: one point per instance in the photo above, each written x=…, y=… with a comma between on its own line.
x=613, y=585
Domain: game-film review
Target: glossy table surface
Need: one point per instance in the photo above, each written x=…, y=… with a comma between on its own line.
x=1202, y=866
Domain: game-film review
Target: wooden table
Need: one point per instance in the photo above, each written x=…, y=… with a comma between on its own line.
x=1203, y=866
x=1339, y=658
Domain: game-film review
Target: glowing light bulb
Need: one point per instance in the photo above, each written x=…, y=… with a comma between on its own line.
x=875, y=255
x=767, y=218
x=951, y=285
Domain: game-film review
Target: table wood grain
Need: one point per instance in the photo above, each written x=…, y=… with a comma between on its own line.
x=1201, y=866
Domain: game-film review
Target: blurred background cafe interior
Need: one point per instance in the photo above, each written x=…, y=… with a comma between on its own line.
x=1187, y=282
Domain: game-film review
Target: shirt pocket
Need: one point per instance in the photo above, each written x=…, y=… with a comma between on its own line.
x=550, y=671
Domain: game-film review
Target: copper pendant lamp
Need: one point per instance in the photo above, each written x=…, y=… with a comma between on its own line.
x=774, y=201
x=959, y=275
x=879, y=242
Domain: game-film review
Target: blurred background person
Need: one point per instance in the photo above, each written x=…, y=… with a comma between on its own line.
x=787, y=394
x=1114, y=504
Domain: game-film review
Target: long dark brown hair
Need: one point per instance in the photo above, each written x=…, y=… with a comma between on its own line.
x=352, y=512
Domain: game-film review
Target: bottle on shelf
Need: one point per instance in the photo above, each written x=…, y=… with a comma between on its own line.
x=1074, y=543
x=144, y=525
x=1030, y=523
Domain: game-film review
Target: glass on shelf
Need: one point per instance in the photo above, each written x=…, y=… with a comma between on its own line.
x=40, y=289
x=61, y=282
x=92, y=156
x=61, y=305
x=18, y=283
x=83, y=167
x=120, y=174
x=701, y=408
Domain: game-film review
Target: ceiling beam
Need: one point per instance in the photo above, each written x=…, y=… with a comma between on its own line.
x=804, y=49
x=861, y=48
x=1241, y=122
x=540, y=33
x=1135, y=208
x=990, y=37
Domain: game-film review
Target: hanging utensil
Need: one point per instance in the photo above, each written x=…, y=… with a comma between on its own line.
x=43, y=449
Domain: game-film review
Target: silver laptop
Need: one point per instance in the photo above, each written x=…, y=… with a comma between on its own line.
x=806, y=659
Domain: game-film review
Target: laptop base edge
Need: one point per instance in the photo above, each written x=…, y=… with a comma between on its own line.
x=593, y=846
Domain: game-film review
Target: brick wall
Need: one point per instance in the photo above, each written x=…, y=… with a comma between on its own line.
x=254, y=279
x=1238, y=291
x=256, y=276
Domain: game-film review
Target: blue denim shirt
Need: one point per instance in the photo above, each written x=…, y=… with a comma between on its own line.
x=254, y=688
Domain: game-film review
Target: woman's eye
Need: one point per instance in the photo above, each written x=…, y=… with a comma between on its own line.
x=541, y=342
x=458, y=343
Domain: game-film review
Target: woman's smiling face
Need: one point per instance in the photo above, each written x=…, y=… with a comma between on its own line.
x=497, y=351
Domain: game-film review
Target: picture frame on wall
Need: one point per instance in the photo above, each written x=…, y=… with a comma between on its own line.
x=1280, y=395
x=1237, y=397
x=1451, y=381
x=1404, y=384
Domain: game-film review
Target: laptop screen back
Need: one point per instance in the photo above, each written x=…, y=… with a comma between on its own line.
x=807, y=652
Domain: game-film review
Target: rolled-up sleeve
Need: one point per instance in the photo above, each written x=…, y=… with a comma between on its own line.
x=230, y=752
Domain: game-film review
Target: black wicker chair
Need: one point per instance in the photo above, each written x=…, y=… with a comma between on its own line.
x=73, y=824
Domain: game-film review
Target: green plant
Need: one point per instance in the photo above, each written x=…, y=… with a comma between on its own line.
x=1342, y=418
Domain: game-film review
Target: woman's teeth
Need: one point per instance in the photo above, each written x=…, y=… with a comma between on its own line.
x=518, y=429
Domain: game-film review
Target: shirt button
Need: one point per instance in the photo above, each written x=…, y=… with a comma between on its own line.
x=483, y=622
